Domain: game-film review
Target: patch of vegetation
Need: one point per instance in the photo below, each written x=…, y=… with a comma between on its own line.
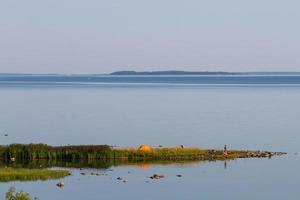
x=12, y=194
x=188, y=154
x=43, y=151
x=33, y=152
x=173, y=153
x=25, y=174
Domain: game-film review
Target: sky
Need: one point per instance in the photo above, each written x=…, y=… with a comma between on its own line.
x=100, y=36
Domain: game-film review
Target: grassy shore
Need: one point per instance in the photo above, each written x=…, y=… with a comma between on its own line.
x=31, y=152
x=177, y=154
x=24, y=174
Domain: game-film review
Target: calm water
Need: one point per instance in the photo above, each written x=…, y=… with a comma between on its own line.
x=260, y=115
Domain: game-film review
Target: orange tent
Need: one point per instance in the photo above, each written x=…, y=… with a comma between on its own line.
x=145, y=148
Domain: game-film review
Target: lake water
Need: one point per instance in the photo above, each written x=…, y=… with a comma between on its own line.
x=244, y=112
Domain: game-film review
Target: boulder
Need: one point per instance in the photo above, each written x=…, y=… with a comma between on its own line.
x=60, y=184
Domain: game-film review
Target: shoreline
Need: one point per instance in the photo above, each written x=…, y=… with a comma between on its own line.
x=32, y=152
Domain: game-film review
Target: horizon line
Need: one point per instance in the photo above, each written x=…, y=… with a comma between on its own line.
x=134, y=71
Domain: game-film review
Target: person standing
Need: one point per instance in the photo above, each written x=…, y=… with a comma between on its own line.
x=225, y=150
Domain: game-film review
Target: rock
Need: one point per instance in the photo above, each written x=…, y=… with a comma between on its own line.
x=270, y=154
x=82, y=173
x=60, y=184
x=122, y=179
x=5, y=135
x=179, y=175
x=212, y=151
x=156, y=176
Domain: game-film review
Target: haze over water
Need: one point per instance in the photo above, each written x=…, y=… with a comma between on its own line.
x=198, y=111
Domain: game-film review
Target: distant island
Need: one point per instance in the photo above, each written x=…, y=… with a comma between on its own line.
x=172, y=72
x=132, y=72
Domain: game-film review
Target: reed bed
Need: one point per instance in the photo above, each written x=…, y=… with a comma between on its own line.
x=43, y=151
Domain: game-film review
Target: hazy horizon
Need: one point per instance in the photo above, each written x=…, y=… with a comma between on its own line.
x=108, y=73
x=101, y=36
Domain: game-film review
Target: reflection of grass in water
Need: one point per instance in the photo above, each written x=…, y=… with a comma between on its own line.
x=37, y=170
x=25, y=174
x=98, y=164
x=39, y=164
x=150, y=163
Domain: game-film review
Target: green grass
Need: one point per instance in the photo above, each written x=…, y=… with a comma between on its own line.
x=172, y=153
x=175, y=153
x=24, y=174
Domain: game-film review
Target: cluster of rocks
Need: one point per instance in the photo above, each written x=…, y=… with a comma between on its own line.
x=122, y=179
x=61, y=184
x=93, y=174
x=156, y=176
x=264, y=154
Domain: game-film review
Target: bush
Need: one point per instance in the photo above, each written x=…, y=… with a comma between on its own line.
x=12, y=194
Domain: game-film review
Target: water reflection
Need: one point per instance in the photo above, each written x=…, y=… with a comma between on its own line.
x=225, y=164
x=18, y=171
x=97, y=167
x=96, y=164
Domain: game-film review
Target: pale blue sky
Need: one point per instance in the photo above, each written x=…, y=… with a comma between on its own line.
x=98, y=36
